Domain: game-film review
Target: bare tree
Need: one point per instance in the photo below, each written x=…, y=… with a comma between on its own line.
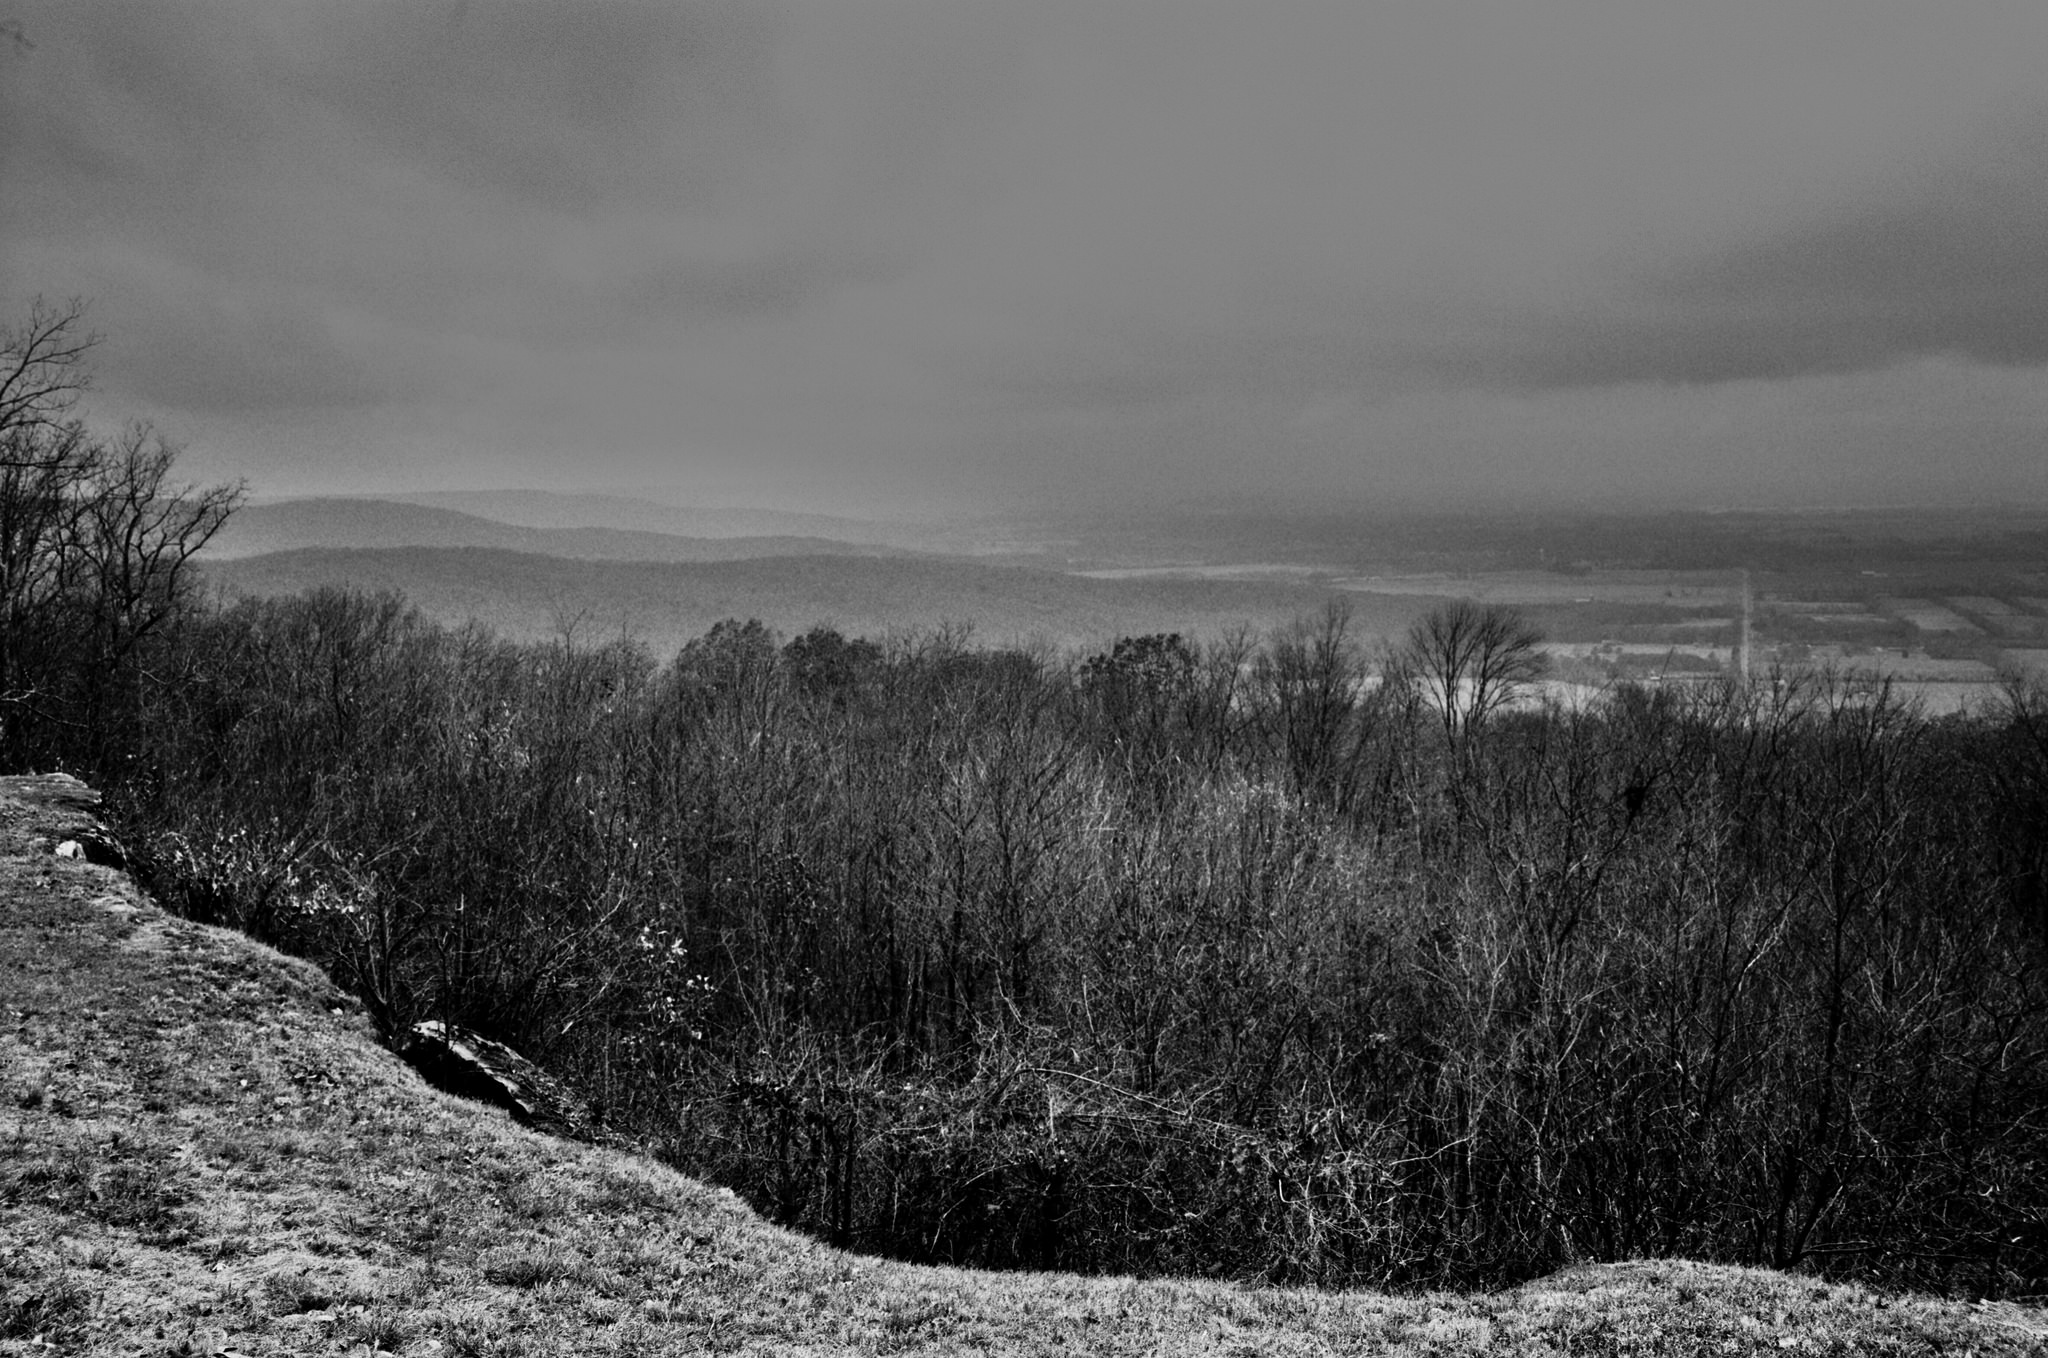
x=42, y=375
x=1330, y=716
x=44, y=458
x=1469, y=660
x=95, y=537
x=135, y=534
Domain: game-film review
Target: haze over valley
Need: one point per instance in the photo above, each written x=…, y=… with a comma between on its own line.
x=1947, y=604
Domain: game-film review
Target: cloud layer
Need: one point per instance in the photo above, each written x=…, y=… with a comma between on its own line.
x=875, y=253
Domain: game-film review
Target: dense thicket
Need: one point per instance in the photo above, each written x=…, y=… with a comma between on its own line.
x=1239, y=960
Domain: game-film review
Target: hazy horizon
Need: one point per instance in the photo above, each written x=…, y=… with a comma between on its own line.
x=885, y=259
x=1474, y=504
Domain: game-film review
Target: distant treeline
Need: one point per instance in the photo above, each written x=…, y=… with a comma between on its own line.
x=1286, y=958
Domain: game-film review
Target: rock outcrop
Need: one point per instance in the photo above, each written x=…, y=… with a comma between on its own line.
x=471, y=1066
x=68, y=813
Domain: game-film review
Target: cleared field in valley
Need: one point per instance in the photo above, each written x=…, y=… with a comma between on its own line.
x=1679, y=589
x=1927, y=615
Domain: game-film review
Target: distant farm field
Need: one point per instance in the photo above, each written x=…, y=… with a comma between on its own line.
x=1693, y=589
x=1926, y=614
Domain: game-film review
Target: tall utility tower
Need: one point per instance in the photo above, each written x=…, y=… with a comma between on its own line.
x=1742, y=641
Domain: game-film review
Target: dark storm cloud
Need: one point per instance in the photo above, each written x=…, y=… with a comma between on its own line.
x=283, y=206
x=569, y=107
x=1949, y=260
x=1097, y=246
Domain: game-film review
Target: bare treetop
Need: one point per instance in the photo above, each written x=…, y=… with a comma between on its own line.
x=1470, y=660
x=42, y=374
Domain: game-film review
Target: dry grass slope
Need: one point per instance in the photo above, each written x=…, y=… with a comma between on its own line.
x=204, y=1151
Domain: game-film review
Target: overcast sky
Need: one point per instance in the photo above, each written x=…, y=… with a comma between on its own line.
x=859, y=255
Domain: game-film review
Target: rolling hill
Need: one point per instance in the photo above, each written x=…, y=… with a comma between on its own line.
x=362, y=524
x=558, y=509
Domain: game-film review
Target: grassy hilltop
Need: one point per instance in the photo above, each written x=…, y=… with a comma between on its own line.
x=203, y=1150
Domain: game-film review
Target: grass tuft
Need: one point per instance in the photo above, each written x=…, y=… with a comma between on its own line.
x=527, y=1266
x=50, y=1309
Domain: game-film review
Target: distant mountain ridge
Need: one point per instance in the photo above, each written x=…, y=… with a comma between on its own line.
x=559, y=509
x=351, y=523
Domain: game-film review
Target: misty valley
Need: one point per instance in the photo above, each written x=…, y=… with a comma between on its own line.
x=1944, y=606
